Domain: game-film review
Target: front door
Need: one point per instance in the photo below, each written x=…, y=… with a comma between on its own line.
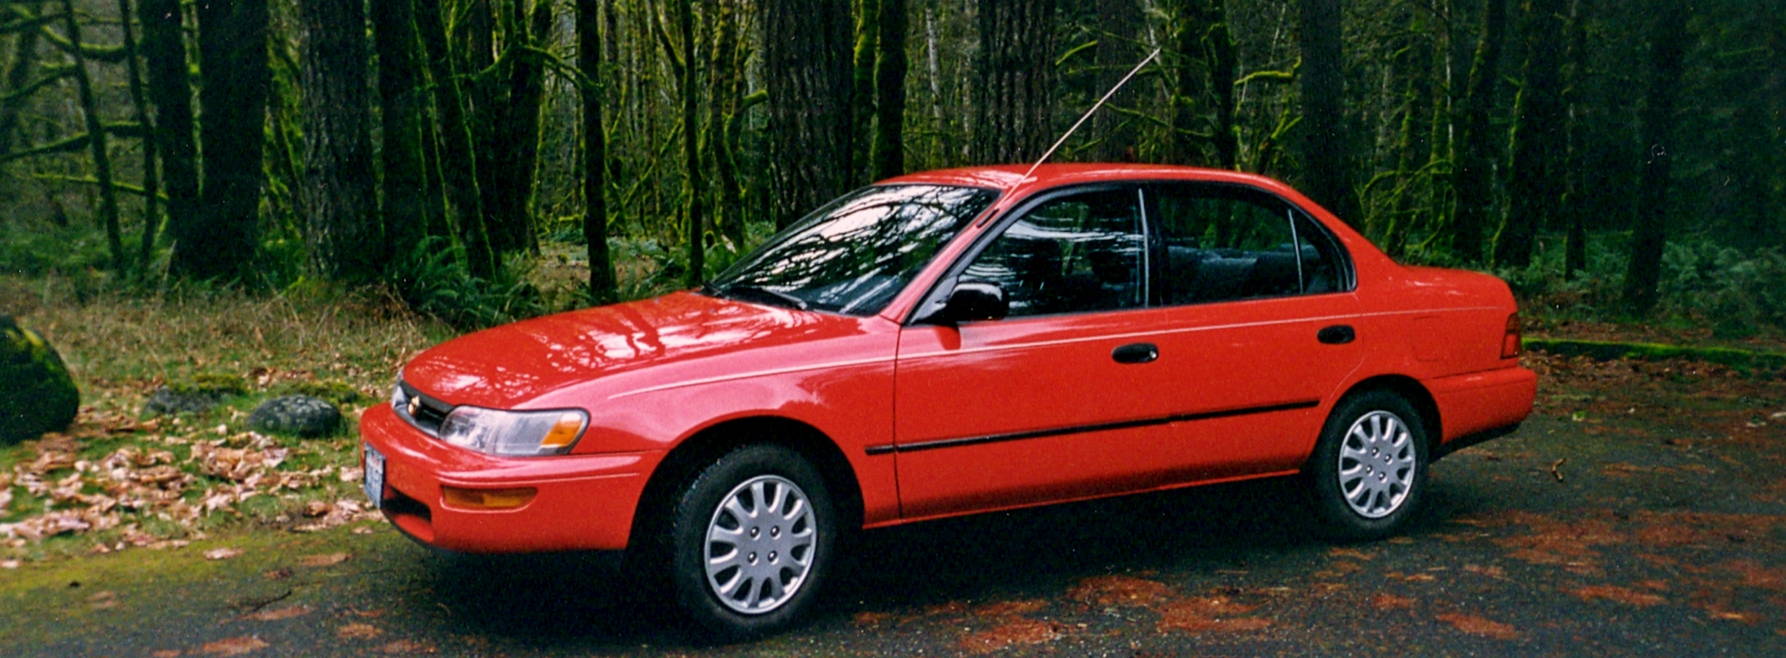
x=1039, y=405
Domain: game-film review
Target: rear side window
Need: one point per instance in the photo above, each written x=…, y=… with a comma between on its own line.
x=1226, y=244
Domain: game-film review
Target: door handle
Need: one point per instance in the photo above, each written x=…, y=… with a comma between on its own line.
x=1135, y=353
x=1338, y=334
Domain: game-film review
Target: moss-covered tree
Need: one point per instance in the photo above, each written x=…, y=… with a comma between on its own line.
x=338, y=191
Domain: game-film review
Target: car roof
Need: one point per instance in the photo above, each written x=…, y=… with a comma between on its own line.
x=1049, y=175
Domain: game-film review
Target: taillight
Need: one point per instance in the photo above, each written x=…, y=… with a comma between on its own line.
x=1510, y=341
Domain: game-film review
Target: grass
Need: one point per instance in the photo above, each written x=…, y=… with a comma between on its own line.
x=120, y=348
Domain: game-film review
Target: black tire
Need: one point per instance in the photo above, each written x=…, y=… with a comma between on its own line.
x=1367, y=477
x=771, y=593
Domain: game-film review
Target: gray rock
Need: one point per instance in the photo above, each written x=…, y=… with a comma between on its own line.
x=36, y=393
x=302, y=415
x=169, y=401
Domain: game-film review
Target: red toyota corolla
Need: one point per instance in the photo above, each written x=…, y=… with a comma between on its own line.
x=948, y=343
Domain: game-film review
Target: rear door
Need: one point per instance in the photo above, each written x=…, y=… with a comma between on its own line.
x=1263, y=326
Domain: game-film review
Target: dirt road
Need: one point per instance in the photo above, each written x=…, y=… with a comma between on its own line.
x=1641, y=512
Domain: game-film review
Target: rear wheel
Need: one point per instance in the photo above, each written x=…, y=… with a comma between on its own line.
x=1369, y=469
x=752, y=541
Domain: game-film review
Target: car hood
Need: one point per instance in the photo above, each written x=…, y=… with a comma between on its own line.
x=515, y=365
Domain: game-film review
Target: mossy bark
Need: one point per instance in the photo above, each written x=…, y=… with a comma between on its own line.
x=887, y=154
x=458, y=164
x=603, y=288
x=1013, y=81
x=225, y=234
x=1668, y=44
x=1475, y=152
x=341, y=226
x=1535, y=189
x=405, y=208
x=96, y=141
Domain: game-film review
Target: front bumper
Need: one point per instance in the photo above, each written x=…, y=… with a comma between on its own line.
x=585, y=502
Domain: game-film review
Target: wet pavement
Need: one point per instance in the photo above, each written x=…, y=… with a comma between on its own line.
x=1641, y=512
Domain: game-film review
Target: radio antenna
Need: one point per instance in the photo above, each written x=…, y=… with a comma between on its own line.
x=1088, y=113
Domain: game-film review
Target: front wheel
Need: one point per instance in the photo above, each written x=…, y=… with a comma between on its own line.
x=752, y=541
x=1369, y=468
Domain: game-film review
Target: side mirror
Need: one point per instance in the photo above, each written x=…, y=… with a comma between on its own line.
x=973, y=300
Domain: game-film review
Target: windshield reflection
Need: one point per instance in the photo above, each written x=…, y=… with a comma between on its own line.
x=855, y=254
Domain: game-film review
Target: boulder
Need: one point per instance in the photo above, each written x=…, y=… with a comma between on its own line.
x=36, y=393
x=196, y=395
x=302, y=415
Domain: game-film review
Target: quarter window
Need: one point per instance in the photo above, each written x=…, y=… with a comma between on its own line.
x=1083, y=252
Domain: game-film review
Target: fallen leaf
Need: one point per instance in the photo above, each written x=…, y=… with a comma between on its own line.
x=406, y=647
x=1009, y=608
x=166, y=653
x=870, y=618
x=1391, y=602
x=1341, y=551
x=1483, y=626
x=359, y=631
x=1616, y=593
x=323, y=560
x=1023, y=631
x=222, y=553
x=280, y=614
x=234, y=646
x=9, y=564
x=1119, y=590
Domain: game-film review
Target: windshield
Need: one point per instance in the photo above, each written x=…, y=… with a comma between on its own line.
x=853, y=255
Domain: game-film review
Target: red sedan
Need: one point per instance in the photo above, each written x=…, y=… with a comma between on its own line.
x=947, y=343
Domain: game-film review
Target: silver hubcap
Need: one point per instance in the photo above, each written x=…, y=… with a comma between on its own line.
x=759, y=544
x=1376, y=464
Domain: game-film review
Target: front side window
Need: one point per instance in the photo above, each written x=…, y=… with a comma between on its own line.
x=1076, y=253
x=856, y=253
x=1226, y=244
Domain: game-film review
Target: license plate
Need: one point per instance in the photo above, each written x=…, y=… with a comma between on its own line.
x=374, y=482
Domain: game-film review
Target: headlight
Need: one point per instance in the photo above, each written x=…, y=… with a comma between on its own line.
x=513, y=433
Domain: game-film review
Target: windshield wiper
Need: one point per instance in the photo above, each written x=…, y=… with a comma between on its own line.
x=758, y=293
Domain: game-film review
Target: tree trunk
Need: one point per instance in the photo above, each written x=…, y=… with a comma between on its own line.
x=887, y=155
x=806, y=66
x=1667, y=43
x=96, y=141
x=1326, y=172
x=151, y=175
x=508, y=128
x=232, y=43
x=340, y=202
x=1414, y=66
x=1575, y=251
x=691, y=152
x=1224, y=69
x=1535, y=186
x=405, y=212
x=1013, y=81
x=1477, y=149
x=1120, y=24
x=170, y=90
x=458, y=165
x=728, y=76
x=19, y=74
x=862, y=90
x=603, y=288
x=1190, y=83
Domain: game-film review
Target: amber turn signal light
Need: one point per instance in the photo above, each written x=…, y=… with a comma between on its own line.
x=564, y=432
x=487, y=498
x=1511, y=341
